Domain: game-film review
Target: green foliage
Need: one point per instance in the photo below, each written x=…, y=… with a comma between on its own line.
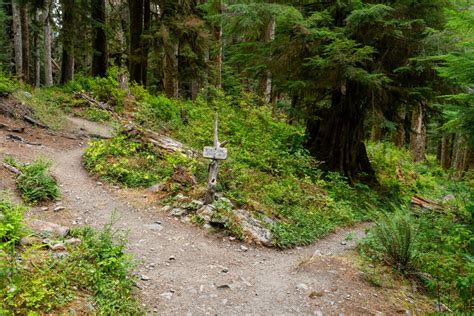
x=106, y=89
x=96, y=115
x=7, y=85
x=96, y=269
x=441, y=256
x=11, y=216
x=134, y=164
x=34, y=183
x=48, y=105
x=397, y=236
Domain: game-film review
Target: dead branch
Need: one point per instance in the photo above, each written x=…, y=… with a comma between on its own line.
x=94, y=102
x=34, y=122
x=425, y=203
x=11, y=168
x=18, y=139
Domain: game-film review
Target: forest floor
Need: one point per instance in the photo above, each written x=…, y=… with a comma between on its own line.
x=185, y=269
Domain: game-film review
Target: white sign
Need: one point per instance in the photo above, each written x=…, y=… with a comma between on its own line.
x=215, y=153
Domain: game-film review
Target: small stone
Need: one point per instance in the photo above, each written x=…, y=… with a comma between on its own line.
x=171, y=258
x=154, y=227
x=224, y=301
x=167, y=295
x=231, y=238
x=144, y=277
x=243, y=248
x=58, y=247
x=47, y=227
x=58, y=208
x=223, y=286
x=343, y=243
x=154, y=188
x=225, y=270
x=30, y=240
x=99, y=183
x=318, y=313
x=72, y=241
x=178, y=212
x=302, y=287
x=165, y=208
x=44, y=208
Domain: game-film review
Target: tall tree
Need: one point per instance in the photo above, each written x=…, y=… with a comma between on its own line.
x=68, y=39
x=136, y=31
x=48, y=65
x=99, y=42
x=17, y=42
x=25, y=41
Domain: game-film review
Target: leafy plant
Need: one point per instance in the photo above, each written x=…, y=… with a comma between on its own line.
x=397, y=235
x=34, y=182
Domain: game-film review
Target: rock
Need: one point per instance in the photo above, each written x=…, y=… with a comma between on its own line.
x=44, y=208
x=154, y=188
x=30, y=240
x=58, y=247
x=448, y=198
x=225, y=270
x=318, y=313
x=225, y=202
x=253, y=228
x=218, y=220
x=194, y=205
x=58, y=208
x=223, y=286
x=206, y=212
x=180, y=196
x=154, y=227
x=72, y=241
x=42, y=227
x=243, y=248
x=99, y=183
x=302, y=287
x=207, y=226
x=144, y=277
x=167, y=295
x=178, y=212
x=343, y=243
x=171, y=258
x=165, y=208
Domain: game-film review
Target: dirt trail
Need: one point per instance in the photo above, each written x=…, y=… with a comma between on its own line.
x=185, y=269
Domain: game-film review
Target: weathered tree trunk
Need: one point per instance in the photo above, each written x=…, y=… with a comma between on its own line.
x=145, y=42
x=194, y=88
x=68, y=37
x=48, y=65
x=170, y=71
x=376, y=133
x=445, y=159
x=36, y=44
x=25, y=42
x=136, y=30
x=217, y=31
x=99, y=43
x=17, y=42
x=457, y=164
x=266, y=83
x=418, y=134
x=398, y=137
x=336, y=138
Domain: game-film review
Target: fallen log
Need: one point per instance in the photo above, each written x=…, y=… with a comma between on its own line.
x=94, y=102
x=159, y=140
x=18, y=139
x=11, y=168
x=34, y=122
x=425, y=203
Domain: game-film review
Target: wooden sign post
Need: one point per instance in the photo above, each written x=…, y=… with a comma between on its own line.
x=216, y=153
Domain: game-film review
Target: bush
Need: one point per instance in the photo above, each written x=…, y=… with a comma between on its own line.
x=396, y=234
x=7, y=85
x=11, y=216
x=97, y=269
x=34, y=183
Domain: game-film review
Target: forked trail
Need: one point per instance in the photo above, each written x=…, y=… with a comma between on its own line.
x=184, y=269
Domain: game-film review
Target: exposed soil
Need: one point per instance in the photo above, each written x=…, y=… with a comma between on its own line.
x=185, y=269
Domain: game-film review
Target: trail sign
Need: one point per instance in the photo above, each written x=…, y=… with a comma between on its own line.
x=215, y=153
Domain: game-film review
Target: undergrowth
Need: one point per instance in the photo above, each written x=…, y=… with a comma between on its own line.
x=93, y=274
x=34, y=183
x=441, y=255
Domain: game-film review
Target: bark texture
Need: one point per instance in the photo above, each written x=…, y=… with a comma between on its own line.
x=18, y=52
x=99, y=44
x=136, y=30
x=418, y=134
x=336, y=137
x=68, y=37
x=170, y=71
x=48, y=65
x=25, y=42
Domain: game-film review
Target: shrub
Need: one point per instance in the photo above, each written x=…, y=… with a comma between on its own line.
x=11, y=216
x=397, y=235
x=34, y=183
